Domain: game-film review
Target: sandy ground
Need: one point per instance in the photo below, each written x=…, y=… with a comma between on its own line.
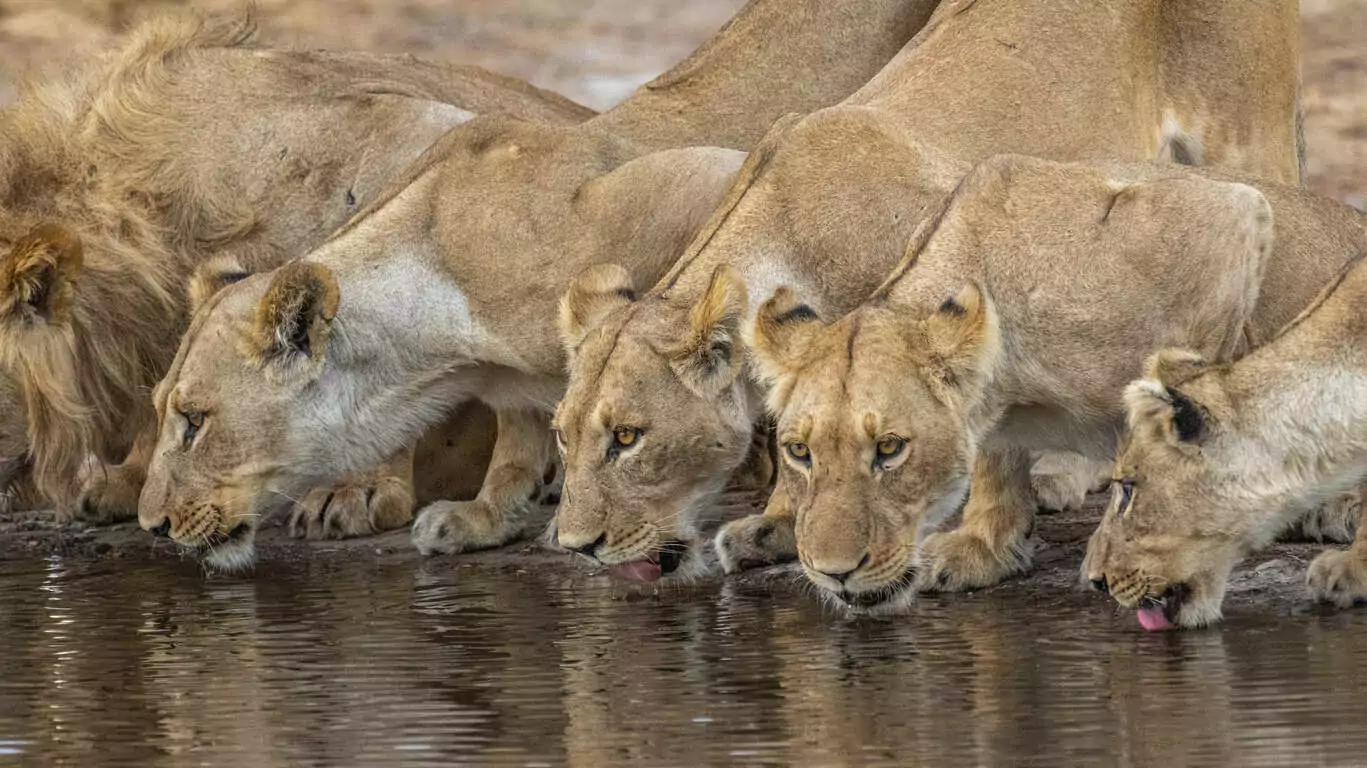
x=596, y=52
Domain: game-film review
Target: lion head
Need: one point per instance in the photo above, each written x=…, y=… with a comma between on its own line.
x=668, y=419
x=1187, y=502
x=873, y=432
x=225, y=421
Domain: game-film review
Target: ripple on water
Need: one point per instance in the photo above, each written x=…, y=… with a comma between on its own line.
x=389, y=665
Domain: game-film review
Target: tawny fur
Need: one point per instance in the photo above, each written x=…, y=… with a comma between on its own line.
x=826, y=204
x=1260, y=441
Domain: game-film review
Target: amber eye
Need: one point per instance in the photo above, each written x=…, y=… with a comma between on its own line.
x=625, y=437
x=193, y=421
x=889, y=447
x=800, y=453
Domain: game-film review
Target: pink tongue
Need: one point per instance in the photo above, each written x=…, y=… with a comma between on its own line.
x=1153, y=620
x=640, y=570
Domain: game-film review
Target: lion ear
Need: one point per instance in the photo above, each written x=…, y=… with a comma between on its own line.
x=212, y=277
x=962, y=336
x=38, y=277
x=294, y=319
x=782, y=329
x=1172, y=367
x=708, y=361
x=592, y=296
x=1166, y=413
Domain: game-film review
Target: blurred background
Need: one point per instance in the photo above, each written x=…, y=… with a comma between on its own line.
x=597, y=51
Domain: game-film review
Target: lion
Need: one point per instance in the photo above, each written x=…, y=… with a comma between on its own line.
x=1024, y=304
x=828, y=202
x=1252, y=444
x=113, y=190
x=445, y=290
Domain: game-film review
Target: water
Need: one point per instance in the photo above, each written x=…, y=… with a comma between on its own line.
x=362, y=664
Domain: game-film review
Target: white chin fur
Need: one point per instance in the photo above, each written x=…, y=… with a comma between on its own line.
x=232, y=557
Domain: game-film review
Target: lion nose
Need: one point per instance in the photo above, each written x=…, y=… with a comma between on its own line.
x=1100, y=585
x=840, y=575
x=163, y=529
x=590, y=549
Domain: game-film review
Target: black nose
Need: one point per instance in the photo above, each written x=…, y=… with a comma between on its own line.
x=591, y=550
x=840, y=577
x=163, y=531
x=1100, y=585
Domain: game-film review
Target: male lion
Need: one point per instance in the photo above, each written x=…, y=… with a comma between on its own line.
x=1221, y=458
x=188, y=144
x=1023, y=305
x=661, y=399
x=445, y=289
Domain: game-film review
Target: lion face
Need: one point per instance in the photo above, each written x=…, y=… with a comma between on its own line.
x=654, y=419
x=231, y=412
x=873, y=430
x=1183, y=512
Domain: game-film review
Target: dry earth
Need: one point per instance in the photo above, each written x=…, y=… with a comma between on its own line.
x=596, y=52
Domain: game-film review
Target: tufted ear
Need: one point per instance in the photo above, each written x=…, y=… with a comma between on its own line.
x=38, y=276
x=212, y=277
x=1171, y=366
x=592, y=296
x=961, y=337
x=708, y=360
x=782, y=329
x=1160, y=412
x=294, y=318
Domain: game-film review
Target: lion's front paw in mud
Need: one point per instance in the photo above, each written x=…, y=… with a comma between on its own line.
x=755, y=541
x=110, y=496
x=956, y=561
x=353, y=510
x=1338, y=577
x=449, y=527
x=1058, y=493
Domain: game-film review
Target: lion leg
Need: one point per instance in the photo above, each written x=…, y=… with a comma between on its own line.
x=755, y=541
x=512, y=488
x=111, y=494
x=1061, y=481
x=1339, y=576
x=1335, y=521
x=757, y=473
x=374, y=502
x=993, y=541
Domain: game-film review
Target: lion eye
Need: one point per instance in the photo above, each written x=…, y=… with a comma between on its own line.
x=1126, y=495
x=193, y=421
x=559, y=439
x=889, y=447
x=625, y=437
x=800, y=453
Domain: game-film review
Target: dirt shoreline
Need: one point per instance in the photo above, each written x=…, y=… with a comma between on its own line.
x=1270, y=583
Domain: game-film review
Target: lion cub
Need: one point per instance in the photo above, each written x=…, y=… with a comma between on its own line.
x=1221, y=458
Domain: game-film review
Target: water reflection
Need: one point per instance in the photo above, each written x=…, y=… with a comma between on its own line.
x=325, y=664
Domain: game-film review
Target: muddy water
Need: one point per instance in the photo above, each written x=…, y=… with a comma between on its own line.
x=362, y=664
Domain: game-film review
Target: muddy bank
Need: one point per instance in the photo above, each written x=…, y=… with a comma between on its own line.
x=1272, y=583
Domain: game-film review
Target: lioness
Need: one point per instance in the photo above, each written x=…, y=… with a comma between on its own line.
x=1221, y=458
x=661, y=399
x=446, y=289
x=1022, y=307
x=188, y=144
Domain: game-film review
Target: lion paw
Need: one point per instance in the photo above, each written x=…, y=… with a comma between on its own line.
x=1334, y=521
x=1338, y=577
x=755, y=541
x=1058, y=493
x=956, y=561
x=352, y=510
x=110, y=497
x=449, y=527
